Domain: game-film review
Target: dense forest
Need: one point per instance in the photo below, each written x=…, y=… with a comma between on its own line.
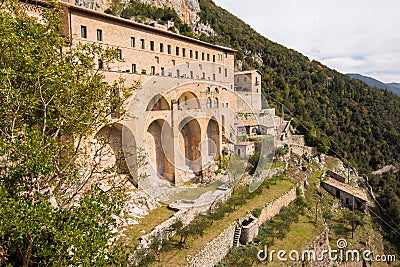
x=341, y=116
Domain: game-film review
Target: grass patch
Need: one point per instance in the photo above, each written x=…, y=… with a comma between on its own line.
x=147, y=224
x=177, y=257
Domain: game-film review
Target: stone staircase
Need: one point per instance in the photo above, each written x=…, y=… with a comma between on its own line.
x=236, y=236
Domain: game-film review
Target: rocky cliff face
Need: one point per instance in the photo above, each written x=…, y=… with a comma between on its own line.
x=187, y=9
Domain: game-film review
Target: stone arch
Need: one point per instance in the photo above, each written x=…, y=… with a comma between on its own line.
x=158, y=102
x=189, y=143
x=159, y=150
x=213, y=139
x=188, y=100
x=108, y=147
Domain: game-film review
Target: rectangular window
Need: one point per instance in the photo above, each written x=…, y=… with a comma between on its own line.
x=99, y=35
x=183, y=52
x=208, y=57
x=162, y=71
x=142, y=45
x=132, y=41
x=152, y=45
x=169, y=49
x=191, y=74
x=225, y=55
x=119, y=54
x=203, y=75
x=226, y=72
x=153, y=70
x=202, y=56
x=197, y=54
x=177, y=51
x=220, y=70
x=173, y=62
x=213, y=58
x=161, y=47
x=143, y=71
x=83, y=31
x=177, y=73
x=213, y=76
x=133, y=68
x=157, y=60
x=191, y=53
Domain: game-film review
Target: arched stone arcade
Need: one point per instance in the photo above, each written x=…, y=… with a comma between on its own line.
x=160, y=149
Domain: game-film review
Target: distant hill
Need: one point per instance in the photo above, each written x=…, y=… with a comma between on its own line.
x=391, y=87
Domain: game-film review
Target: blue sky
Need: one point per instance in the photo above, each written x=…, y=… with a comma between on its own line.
x=353, y=36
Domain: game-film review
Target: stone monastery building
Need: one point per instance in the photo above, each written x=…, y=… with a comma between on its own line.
x=190, y=101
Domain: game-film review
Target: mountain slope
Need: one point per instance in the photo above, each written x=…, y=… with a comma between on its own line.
x=357, y=122
x=375, y=83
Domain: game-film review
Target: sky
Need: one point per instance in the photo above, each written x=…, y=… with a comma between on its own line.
x=351, y=36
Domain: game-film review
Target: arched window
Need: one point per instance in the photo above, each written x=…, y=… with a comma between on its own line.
x=208, y=102
x=207, y=89
x=216, y=90
x=216, y=103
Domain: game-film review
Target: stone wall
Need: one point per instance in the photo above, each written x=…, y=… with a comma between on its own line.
x=215, y=250
x=274, y=207
x=218, y=248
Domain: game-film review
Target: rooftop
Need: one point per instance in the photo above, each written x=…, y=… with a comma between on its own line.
x=357, y=192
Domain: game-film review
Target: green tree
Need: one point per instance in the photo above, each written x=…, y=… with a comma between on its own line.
x=52, y=99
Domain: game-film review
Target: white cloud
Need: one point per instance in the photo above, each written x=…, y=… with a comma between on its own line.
x=350, y=36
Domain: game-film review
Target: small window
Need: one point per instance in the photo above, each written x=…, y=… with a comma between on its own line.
x=157, y=59
x=132, y=41
x=201, y=67
x=177, y=51
x=83, y=31
x=216, y=103
x=203, y=75
x=208, y=57
x=226, y=72
x=208, y=102
x=213, y=58
x=202, y=56
x=178, y=73
x=152, y=45
x=183, y=52
x=133, y=68
x=161, y=47
x=208, y=90
x=197, y=54
x=220, y=70
x=191, y=53
x=99, y=35
x=143, y=71
x=169, y=49
x=216, y=90
x=225, y=55
x=191, y=74
x=142, y=44
x=213, y=76
x=119, y=54
x=101, y=65
x=153, y=70
x=173, y=62
x=162, y=71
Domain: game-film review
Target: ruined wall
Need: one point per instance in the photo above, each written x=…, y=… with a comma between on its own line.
x=215, y=250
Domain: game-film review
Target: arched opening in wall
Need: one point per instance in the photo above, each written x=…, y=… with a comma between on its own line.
x=188, y=100
x=108, y=149
x=159, y=150
x=189, y=143
x=213, y=140
x=158, y=102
